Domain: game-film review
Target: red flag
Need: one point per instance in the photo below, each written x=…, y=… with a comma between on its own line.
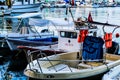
x=72, y=2
x=90, y=17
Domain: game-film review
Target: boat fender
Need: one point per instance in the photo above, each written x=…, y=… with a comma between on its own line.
x=82, y=35
x=108, y=40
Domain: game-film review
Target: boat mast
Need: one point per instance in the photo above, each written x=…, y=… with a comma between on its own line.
x=9, y=3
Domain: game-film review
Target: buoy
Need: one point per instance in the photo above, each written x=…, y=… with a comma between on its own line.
x=108, y=40
x=117, y=35
x=82, y=35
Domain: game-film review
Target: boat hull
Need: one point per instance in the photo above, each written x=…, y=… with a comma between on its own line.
x=13, y=43
x=67, y=72
x=98, y=77
x=82, y=76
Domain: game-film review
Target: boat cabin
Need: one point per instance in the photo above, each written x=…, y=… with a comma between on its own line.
x=68, y=40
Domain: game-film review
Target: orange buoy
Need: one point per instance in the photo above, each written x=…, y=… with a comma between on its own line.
x=117, y=35
x=108, y=40
x=82, y=35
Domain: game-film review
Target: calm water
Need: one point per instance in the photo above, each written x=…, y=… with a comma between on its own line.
x=110, y=15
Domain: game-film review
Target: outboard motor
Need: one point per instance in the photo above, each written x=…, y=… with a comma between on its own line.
x=114, y=49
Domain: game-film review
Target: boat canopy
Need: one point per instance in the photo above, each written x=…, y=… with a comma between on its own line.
x=61, y=21
x=38, y=22
x=54, y=21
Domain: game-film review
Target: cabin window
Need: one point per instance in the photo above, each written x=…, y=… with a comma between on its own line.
x=68, y=34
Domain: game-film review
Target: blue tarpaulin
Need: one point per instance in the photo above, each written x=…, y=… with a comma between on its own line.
x=92, y=48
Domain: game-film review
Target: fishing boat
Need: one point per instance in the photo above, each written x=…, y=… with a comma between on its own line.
x=86, y=58
x=42, y=35
x=87, y=63
x=83, y=64
x=46, y=28
x=22, y=31
x=67, y=36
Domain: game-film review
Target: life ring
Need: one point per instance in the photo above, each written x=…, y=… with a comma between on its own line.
x=108, y=40
x=82, y=35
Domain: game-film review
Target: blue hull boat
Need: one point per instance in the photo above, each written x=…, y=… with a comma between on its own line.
x=13, y=43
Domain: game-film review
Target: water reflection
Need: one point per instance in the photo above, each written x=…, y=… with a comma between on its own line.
x=99, y=14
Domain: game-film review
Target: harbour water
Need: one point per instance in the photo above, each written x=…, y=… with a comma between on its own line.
x=107, y=14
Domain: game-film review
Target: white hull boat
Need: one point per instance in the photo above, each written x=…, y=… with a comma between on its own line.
x=85, y=54
x=71, y=65
x=85, y=57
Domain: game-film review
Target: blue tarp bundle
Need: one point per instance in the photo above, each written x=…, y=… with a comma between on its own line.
x=92, y=48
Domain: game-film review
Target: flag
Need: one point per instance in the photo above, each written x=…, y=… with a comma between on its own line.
x=73, y=2
x=90, y=17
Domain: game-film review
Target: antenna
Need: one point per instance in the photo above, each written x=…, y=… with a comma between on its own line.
x=71, y=13
x=107, y=17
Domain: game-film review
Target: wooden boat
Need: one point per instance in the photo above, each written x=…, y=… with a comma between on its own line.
x=86, y=58
x=83, y=64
